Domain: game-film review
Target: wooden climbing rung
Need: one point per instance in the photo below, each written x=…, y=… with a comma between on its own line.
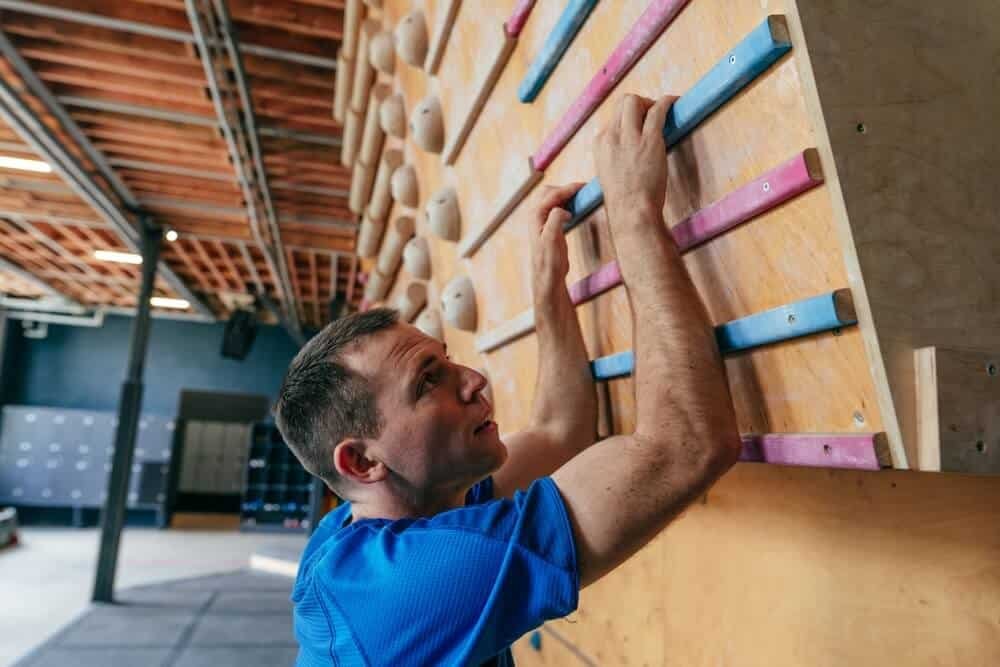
x=643, y=33
x=569, y=23
x=854, y=451
x=515, y=24
x=825, y=312
x=793, y=177
x=745, y=62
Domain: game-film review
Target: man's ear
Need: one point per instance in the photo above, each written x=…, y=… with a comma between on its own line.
x=350, y=457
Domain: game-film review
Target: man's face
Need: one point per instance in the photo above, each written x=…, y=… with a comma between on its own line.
x=437, y=426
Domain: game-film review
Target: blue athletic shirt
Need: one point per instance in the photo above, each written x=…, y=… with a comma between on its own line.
x=453, y=589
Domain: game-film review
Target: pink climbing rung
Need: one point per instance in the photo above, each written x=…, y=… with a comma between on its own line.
x=773, y=188
x=861, y=451
x=777, y=186
x=653, y=21
x=518, y=17
x=598, y=282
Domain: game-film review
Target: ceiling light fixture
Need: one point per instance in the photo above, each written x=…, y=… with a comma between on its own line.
x=9, y=162
x=120, y=257
x=164, y=302
x=171, y=235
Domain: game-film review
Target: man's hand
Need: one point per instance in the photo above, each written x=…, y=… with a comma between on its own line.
x=550, y=255
x=631, y=159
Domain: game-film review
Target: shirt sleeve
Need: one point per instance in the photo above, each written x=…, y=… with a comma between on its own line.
x=466, y=583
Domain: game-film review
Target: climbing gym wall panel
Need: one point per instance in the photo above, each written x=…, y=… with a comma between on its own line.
x=818, y=177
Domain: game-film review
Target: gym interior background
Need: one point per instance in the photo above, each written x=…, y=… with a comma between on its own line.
x=190, y=189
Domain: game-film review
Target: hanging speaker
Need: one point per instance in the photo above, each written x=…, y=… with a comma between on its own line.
x=239, y=334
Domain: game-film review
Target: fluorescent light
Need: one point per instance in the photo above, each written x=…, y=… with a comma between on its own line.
x=8, y=162
x=164, y=302
x=120, y=257
x=172, y=235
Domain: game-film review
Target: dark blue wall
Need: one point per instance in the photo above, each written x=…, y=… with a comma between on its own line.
x=78, y=367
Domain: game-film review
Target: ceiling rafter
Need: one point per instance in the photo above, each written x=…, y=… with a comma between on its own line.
x=220, y=56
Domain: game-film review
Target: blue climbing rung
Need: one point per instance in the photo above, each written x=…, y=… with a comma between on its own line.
x=825, y=312
x=749, y=59
x=570, y=22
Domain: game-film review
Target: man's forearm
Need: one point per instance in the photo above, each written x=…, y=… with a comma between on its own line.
x=680, y=384
x=565, y=397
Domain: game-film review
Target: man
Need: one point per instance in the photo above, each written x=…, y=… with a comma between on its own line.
x=453, y=544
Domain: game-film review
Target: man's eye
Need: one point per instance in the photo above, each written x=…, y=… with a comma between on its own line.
x=428, y=383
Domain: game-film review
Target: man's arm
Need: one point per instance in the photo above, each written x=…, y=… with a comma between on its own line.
x=623, y=491
x=564, y=415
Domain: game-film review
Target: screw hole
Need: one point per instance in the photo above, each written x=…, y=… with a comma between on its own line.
x=827, y=450
x=991, y=369
x=767, y=187
x=732, y=60
x=791, y=318
x=859, y=418
x=980, y=446
x=604, y=70
x=862, y=128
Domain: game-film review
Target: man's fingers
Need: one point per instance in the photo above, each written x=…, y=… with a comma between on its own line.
x=656, y=117
x=553, y=196
x=553, y=227
x=634, y=110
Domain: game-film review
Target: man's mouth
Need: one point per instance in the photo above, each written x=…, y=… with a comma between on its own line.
x=484, y=427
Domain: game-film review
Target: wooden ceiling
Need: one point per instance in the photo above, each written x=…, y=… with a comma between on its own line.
x=131, y=78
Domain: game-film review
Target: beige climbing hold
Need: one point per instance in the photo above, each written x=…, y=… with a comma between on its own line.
x=369, y=237
x=361, y=187
x=404, y=186
x=429, y=321
x=392, y=116
x=364, y=73
x=399, y=232
x=458, y=302
x=374, y=4
x=417, y=258
x=411, y=39
x=411, y=300
x=382, y=52
x=342, y=92
x=351, y=140
x=381, y=203
x=372, y=136
x=427, y=125
x=377, y=287
x=443, y=215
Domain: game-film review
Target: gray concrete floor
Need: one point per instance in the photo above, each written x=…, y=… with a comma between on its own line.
x=45, y=581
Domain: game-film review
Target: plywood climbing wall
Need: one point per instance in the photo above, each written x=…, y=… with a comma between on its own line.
x=779, y=566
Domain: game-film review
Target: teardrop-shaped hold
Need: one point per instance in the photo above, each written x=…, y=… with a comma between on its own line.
x=429, y=321
x=427, y=125
x=392, y=116
x=411, y=39
x=404, y=186
x=411, y=300
x=417, y=258
x=443, y=215
x=382, y=52
x=458, y=302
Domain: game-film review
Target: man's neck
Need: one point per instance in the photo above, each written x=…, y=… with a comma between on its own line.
x=398, y=506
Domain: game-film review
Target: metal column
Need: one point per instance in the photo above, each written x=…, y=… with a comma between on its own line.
x=113, y=512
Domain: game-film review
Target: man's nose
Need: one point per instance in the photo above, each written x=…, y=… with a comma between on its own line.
x=473, y=382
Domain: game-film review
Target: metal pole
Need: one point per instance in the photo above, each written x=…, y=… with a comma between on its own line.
x=113, y=512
